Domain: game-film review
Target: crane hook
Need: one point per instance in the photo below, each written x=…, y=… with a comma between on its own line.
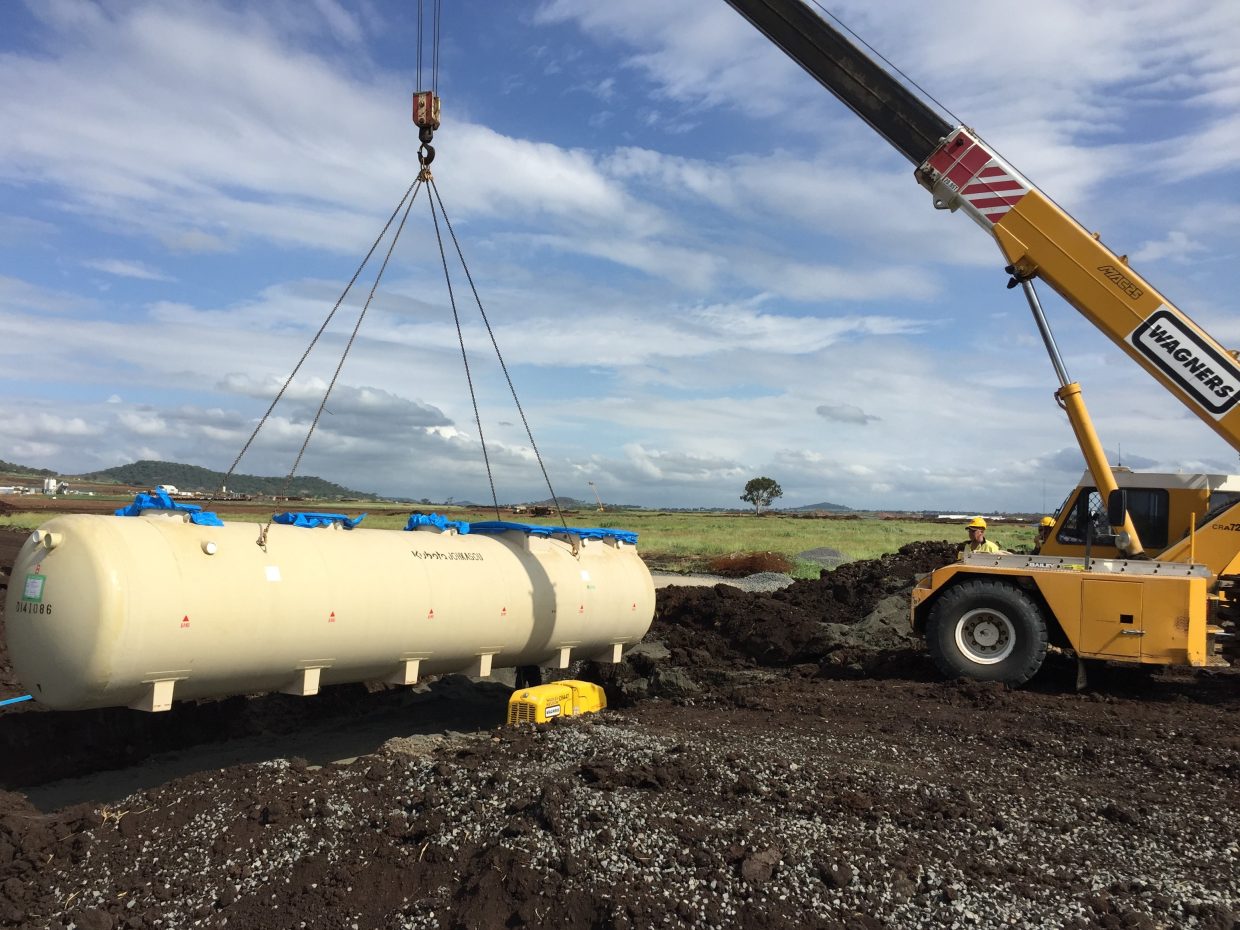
x=426, y=110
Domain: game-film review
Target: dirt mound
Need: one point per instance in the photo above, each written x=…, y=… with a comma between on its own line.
x=804, y=622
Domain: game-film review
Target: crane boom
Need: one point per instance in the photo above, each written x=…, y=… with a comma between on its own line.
x=893, y=111
x=1038, y=239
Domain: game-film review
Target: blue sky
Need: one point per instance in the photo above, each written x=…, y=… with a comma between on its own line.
x=698, y=265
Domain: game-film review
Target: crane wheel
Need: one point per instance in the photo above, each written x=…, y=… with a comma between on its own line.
x=987, y=630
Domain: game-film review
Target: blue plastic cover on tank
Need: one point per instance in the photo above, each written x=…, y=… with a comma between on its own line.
x=434, y=519
x=317, y=519
x=500, y=526
x=159, y=500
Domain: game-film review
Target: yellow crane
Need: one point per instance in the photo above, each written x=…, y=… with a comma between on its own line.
x=598, y=499
x=992, y=617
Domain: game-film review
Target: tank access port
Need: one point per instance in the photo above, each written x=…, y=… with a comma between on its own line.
x=47, y=539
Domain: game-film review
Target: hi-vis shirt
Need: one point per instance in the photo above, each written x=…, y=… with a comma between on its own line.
x=985, y=546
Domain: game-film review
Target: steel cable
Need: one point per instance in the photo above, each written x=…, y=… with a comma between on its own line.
x=296, y=368
x=460, y=335
x=344, y=355
x=498, y=355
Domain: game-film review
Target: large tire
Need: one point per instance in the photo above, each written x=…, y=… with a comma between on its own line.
x=987, y=630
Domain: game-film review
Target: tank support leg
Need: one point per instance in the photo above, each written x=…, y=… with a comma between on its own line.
x=407, y=673
x=304, y=683
x=481, y=667
x=158, y=696
x=613, y=653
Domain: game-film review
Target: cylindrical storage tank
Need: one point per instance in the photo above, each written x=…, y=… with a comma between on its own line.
x=113, y=611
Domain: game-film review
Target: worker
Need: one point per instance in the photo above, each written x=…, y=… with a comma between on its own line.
x=977, y=541
x=1045, y=525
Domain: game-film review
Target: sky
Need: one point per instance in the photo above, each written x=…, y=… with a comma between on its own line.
x=697, y=265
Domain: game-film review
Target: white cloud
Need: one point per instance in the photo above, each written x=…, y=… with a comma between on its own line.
x=126, y=269
x=145, y=422
x=1176, y=246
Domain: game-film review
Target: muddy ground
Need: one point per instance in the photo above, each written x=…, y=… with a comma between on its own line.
x=770, y=760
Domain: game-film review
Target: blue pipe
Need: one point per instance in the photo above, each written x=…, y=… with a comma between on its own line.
x=17, y=700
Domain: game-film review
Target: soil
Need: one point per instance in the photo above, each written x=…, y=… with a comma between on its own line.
x=769, y=760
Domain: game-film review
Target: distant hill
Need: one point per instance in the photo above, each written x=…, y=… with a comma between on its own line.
x=148, y=474
x=8, y=468
x=825, y=505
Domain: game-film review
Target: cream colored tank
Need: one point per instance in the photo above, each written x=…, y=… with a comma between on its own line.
x=112, y=611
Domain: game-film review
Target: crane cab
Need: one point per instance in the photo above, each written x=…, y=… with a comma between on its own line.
x=1163, y=507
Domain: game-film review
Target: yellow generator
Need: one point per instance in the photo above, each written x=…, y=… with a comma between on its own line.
x=558, y=699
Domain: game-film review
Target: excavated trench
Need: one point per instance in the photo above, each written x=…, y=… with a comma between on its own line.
x=769, y=760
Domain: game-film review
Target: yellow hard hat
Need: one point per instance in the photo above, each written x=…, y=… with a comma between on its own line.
x=1047, y=521
x=976, y=522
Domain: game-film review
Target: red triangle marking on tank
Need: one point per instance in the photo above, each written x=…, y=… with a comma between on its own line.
x=430, y=614
x=332, y=618
x=503, y=611
x=185, y=621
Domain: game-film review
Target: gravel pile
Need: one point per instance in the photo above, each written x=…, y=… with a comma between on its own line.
x=762, y=582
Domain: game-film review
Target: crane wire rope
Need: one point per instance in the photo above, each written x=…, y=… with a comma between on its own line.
x=313, y=342
x=424, y=178
x=460, y=337
x=498, y=354
x=344, y=355
x=436, y=19
x=435, y=48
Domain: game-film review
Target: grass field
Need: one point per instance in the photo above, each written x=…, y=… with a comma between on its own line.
x=667, y=540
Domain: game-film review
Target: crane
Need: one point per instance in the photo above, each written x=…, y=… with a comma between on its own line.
x=992, y=617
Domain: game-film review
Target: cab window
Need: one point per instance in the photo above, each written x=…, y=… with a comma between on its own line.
x=1219, y=501
x=1148, y=507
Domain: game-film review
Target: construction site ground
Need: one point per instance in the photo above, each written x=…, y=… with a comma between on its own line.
x=780, y=759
